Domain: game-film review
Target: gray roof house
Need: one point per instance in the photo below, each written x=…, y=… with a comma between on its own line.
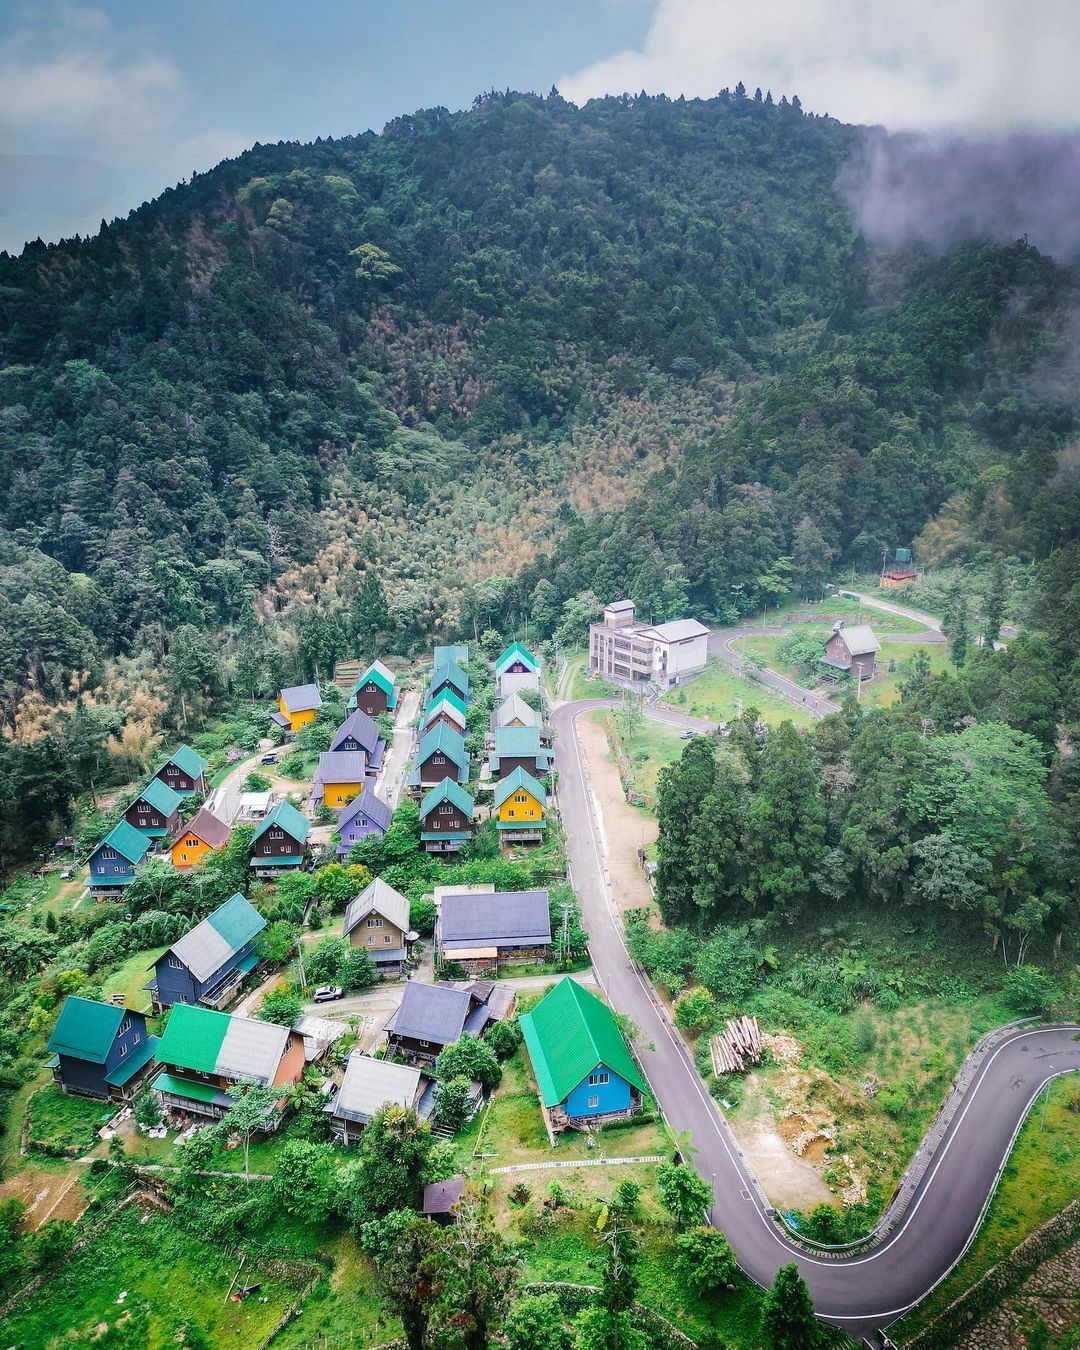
x=368, y=1085
x=378, y=920
x=478, y=931
x=431, y=1016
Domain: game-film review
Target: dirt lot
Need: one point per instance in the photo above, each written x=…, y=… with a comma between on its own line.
x=47, y=1194
x=625, y=828
x=790, y=1181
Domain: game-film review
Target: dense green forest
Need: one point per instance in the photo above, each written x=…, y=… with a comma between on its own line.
x=487, y=366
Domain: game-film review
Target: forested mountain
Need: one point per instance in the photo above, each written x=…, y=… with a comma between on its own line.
x=475, y=368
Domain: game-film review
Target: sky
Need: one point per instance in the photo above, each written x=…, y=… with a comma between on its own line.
x=103, y=106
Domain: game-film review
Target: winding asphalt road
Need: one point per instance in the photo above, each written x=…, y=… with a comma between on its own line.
x=859, y=1293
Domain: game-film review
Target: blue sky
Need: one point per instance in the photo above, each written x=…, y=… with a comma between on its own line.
x=102, y=106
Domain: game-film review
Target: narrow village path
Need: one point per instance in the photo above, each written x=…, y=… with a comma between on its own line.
x=391, y=777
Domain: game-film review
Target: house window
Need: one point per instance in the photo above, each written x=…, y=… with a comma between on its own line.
x=123, y=1050
x=183, y=998
x=107, y=854
x=511, y=812
x=175, y=963
x=374, y=922
x=593, y=1101
x=597, y=1079
x=142, y=820
x=438, y=759
x=136, y=1038
x=422, y=1042
x=172, y=770
x=125, y=1026
x=277, y=834
x=521, y=797
x=192, y=842
x=388, y=939
x=446, y=809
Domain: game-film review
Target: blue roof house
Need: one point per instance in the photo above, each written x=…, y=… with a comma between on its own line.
x=209, y=962
x=112, y=864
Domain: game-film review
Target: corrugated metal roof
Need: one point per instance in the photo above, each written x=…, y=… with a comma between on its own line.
x=367, y=804
x=86, y=1029
x=286, y=817
x=193, y=1037
x=188, y=761
x=505, y=918
x=450, y=696
x=252, y=1049
x=341, y=766
x=678, y=630
x=447, y=740
x=301, y=697
x=860, y=639
x=210, y=944
x=160, y=796
x=517, y=741
x=458, y=653
x=207, y=827
x=379, y=896
x=362, y=728
x=447, y=791
x=371, y=1083
x=430, y=1012
x=519, y=780
x=378, y=674
x=516, y=652
x=569, y=1034
x=515, y=708
x=127, y=841
x=450, y=673
x=440, y=1196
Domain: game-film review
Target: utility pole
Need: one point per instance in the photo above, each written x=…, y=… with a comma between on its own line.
x=564, y=942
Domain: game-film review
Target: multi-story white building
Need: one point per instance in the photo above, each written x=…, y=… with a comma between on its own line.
x=629, y=652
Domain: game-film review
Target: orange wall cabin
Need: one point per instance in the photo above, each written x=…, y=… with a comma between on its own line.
x=189, y=850
x=337, y=795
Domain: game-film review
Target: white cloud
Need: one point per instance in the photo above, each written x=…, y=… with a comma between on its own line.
x=84, y=90
x=991, y=64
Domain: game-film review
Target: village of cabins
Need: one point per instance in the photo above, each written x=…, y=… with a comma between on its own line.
x=206, y=1056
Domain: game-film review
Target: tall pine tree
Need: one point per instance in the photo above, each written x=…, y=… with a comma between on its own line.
x=785, y=824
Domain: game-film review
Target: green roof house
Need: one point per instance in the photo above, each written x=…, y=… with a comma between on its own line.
x=155, y=812
x=519, y=748
x=280, y=841
x=449, y=676
x=442, y=754
x=184, y=772
x=375, y=691
x=584, y=1070
x=100, y=1050
x=112, y=864
x=209, y=1057
x=446, y=818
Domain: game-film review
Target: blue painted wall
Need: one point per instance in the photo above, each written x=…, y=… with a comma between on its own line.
x=112, y=871
x=178, y=986
x=83, y=1076
x=614, y=1095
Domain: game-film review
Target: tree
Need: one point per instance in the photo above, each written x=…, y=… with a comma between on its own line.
x=716, y=840
x=146, y=1108
x=706, y=1261
x=253, y=1105
x=536, y=1322
x=788, y=1321
x=276, y=943
x=395, y=1149
x=476, y=1271
x=452, y=1103
x=326, y=959
x=370, y=616
x=374, y=266
x=811, y=559
x=304, y=1179
x=282, y=1005
x=596, y=1329
x=728, y=963
x=696, y=1010
x=357, y=970
x=619, y=1259
x=994, y=605
x=956, y=625
x=784, y=832
x=682, y=789
x=469, y=1057
x=685, y=1195
x=408, y=1278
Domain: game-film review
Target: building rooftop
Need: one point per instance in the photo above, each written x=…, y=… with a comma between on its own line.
x=286, y=817
x=367, y=804
x=160, y=796
x=212, y=1042
x=221, y=934
x=678, y=630
x=207, y=827
x=371, y=1083
x=341, y=766
x=447, y=791
x=860, y=639
x=494, y=919
x=431, y=1012
x=567, y=1035
x=86, y=1029
x=188, y=761
x=361, y=728
x=301, y=697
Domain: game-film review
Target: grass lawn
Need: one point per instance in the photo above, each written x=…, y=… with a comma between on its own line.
x=1041, y=1177
x=128, y=979
x=580, y=684
x=720, y=694
x=796, y=610
x=894, y=663
x=512, y=1129
x=561, y=1244
x=59, y=1122
x=652, y=747
x=168, y=1277
x=343, y=1310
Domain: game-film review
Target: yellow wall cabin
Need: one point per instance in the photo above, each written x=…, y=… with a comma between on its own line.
x=337, y=795
x=520, y=806
x=189, y=850
x=297, y=719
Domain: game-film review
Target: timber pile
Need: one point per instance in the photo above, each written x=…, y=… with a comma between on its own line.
x=738, y=1047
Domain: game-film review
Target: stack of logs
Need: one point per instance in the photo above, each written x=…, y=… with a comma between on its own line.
x=738, y=1047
